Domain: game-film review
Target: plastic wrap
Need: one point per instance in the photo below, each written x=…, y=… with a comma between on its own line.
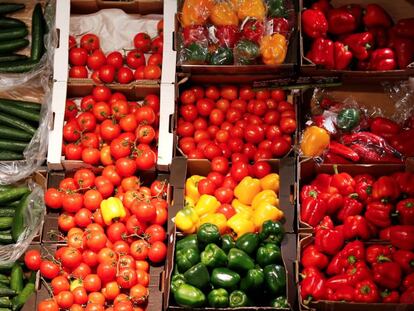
x=33, y=219
x=235, y=32
x=41, y=73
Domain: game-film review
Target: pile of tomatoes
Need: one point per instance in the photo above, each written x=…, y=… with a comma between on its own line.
x=107, y=129
x=101, y=266
x=88, y=60
x=221, y=121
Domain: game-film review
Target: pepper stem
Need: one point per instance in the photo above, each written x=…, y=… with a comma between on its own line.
x=307, y=300
x=335, y=168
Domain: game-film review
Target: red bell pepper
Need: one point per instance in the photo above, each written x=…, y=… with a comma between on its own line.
x=405, y=259
x=343, y=182
x=323, y=183
x=363, y=190
x=343, y=150
x=341, y=21
x=322, y=5
x=279, y=25
x=314, y=23
x=311, y=257
x=342, y=57
x=385, y=234
x=356, y=227
x=333, y=202
x=332, y=158
x=380, y=125
x=351, y=208
x=370, y=153
x=359, y=44
x=309, y=191
x=310, y=271
x=345, y=293
x=364, y=178
x=376, y=16
x=405, y=210
x=352, y=253
x=407, y=296
x=387, y=274
x=405, y=28
x=379, y=253
x=195, y=34
x=337, y=281
x=405, y=181
x=253, y=30
x=327, y=239
x=404, y=51
x=408, y=281
x=366, y=291
x=227, y=35
x=390, y=296
x=380, y=36
x=322, y=53
x=385, y=189
x=356, y=10
x=382, y=59
x=379, y=214
x=312, y=211
x=312, y=288
x=402, y=237
x=358, y=272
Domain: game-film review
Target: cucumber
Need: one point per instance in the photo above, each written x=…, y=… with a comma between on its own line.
x=6, y=187
x=6, y=238
x=13, y=204
x=20, y=112
x=9, y=22
x=18, y=220
x=7, y=212
x=25, y=294
x=18, y=66
x=13, y=145
x=6, y=267
x=11, y=58
x=17, y=123
x=13, y=33
x=10, y=156
x=6, y=8
x=4, y=279
x=14, y=45
x=21, y=104
x=16, y=278
x=13, y=134
x=14, y=194
x=5, y=302
x=38, y=32
x=7, y=292
x=6, y=222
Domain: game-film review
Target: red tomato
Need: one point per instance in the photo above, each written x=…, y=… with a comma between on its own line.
x=155, y=233
x=280, y=147
x=155, y=59
x=81, y=271
x=254, y=133
x=91, y=156
x=216, y=178
x=32, y=259
x=96, y=60
x=78, y=56
x=212, y=150
x=144, y=211
x=71, y=257
x=139, y=249
x=288, y=125
x=48, y=269
x=107, y=271
x=189, y=112
x=110, y=130
x=229, y=92
x=249, y=150
x=278, y=95
x=53, y=198
x=80, y=295
x=90, y=42
x=59, y=284
x=239, y=170
x=101, y=93
x=116, y=232
x=115, y=59
x=152, y=72
x=124, y=75
x=135, y=226
x=220, y=165
x=96, y=241
x=263, y=94
x=72, y=202
x=146, y=159
x=216, y=117
x=262, y=154
x=92, y=283
x=188, y=97
x=142, y=42
x=71, y=131
x=138, y=294
x=83, y=217
x=157, y=252
x=135, y=59
x=261, y=169
x=212, y=92
x=224, y=195
x=106, y=73
x=145, y=134
x=48, y=305
x=90, y=258
x=205, y=106
x=72, y=41
x=246, y=93
x=157, y=45
x=79, y=72
x=227, y=210
x=71, y=110
x=284, y=105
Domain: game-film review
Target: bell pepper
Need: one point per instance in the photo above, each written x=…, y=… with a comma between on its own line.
x=404, y=51
x=312, y=288
x=187, y=220
x=265, y=211
x=351, y=208
x=312, y=257
x=253, y=31
x=385, y=189
x=112, y=209
x=213, y=256
x=195, y=53
x=356, y=226
x=197, y=276
x=359, y=44
x=251, y=9
x=275, y=278
x=348, y=119
x=382, y=59
x=207, y=204
x=223, y=13
x=345, y=293
x=242, y=209
x=221, y=56
x=314, y=23
x=364, y=191
x=390, y=296
x=366, y=291
x=408, y=296
x=195, y=12
x=253, y=280
x=334, y=202
x=186, y=258
x=328, y=240
x=176, y=281
x=190, y=241
x=279, y=25
x=379, y=253
x=352, y=252
x=380, y=36
x=405, y=181
x=358, y=272
x=194, y=34
x=387, y=274
x=384, y=234
x=268, y=254
x=342, y=56
x=364, y=178
x=380, y=125
x=322, y=53
x=405, y=259
x=239, y=260
x=332, y=158
x=189, y=296
x=217, y=219
x=273, y=49
x=312, y=211
x=224, y=278
x=227, y=243
x=268, y=196
x=276, y=8
x=314, y=141
x=280, y=303
x=189, y=202
x=238, y=299
x=309, y=271
x=322, y=5
x=271, y=232
x=270, y=182
x=408, y=281
x=405, y=210
x=376, y=16
x=405, y=28
x=208, y=233
x=227, y=35
x=248, y=242
x=218, y=298
x=191, y=187
x=337, y=281
x=402, y=237
x=323, y=183
x=341, y=21
x=343, y=151
x=246, y=52
x=309, y=191
x=240, y=225
x=379, y=214
x=247, y=189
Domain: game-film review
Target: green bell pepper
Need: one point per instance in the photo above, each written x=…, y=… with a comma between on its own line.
x=276, y=8
x=197, y=275
x=208, y=233
x=227, y=243
x=248, y=242
x=189, y=296
x=213, y=256
x=224, y=277
x=347, y=119
x=190, y=241
x=221, y=56
x=246, y=52
x=268, y=254
x=271, y=232
x=196, y=53
x=176, y=281
x=238, y=299
x=279, y=302
x=253, y=280
x=186, y=258
x=218, y=298
x=239, y=260
x=275, y=278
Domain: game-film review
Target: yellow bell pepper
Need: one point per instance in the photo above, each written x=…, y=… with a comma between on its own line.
x=241, y=208
x=195, y=12
x=217, y=219
x=268, y=196
x=247, y=188
x=273, y=49
x=240, y=225
x=191, y=187
x=314, y=141
x=270, y=182
x=112, y=208
x=189, y=202
x=187, y=220
x=251, y=8
x=207, y=204
x=224, y=14
x=265, y=211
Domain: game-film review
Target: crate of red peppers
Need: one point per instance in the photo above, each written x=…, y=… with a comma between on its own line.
x=357, y=39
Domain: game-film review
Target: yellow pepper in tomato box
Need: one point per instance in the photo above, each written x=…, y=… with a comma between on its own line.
x=314, y=141
x=112, y=209
x=241, y=208
x=273, y=49
x=191, y=187
x=265, y=211
x=251, y=8
x=224, y=14
x=207, y=204
x=187, y=220
x=268, y=196
x=240, y=225
x=217, y=219
x=270, y=182
x=195, y=12
x=247, y=188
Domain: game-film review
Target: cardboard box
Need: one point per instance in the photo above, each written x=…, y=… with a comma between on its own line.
x=404, y=9
x=129, y=6
x=61, y=53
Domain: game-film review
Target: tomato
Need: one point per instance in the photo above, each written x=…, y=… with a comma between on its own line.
x=116, y=231
x=79, y=72
x=189, y=112
x=107, y=271
x=111, y=290
x=227, y=210
x=48, y=305
x=265, y=145
x=233, y=114
x=155, y=59
x=115, y=59
x=124, y=306
x=126, y=278
x=127, y=261
x=263, y=94
x=53, y=198
x=101, y=110
x=90, y=140
x=120, y=148
x=142, y=42
x=152, y=72
x=125, y=167
x=262, y=154
x=261, y=169
x=139, y=73
x=90, y=258
x=157, y=252
x=91, y=156
x=138, y=294
x=272, y=132
x=135, y=59
x=216, y=117
x=121, y=247
x=32, y=259
x=139, y=249
x=96, y=60
x=220, y=165
x=287, y=125
x=249, y=150
x=229, y=92
x=135, y=226
x=246, y=93
x=157, y=45
x=155, y=233
x=224, y=194
x=145, y=134
x=106, y=73
x=83, y=217
x=78, y=56
x=90, y=42
x=188, y=97
x=239, y=104
x=84, y=178
x=161, y=215
x=106, y=254
x=104, y=186
x=92, y=283
x=235, y=145
x=59, y=284
x=94, y=307
x=284, y=105
x=144, y=211
x=212, y=150
x=205, y=106
x=48, y=269
x=80, y=296
x=239, y=170
x=65, y=299
x=72, y=202
x=76, y=240
x=146, y=159
x=124, y=75
x=254, y=133
x=96, y=297
x=145, y=115
x=278, y=95
x=71, y=110
x=101, y=93
x=71, y=131
x=72, y=42
x=81, y=271
x=71, y=257
x=96, y=241
x=280, y=147
x=92, y=199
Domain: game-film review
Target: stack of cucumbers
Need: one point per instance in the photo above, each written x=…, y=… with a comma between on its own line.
x=15, y=288
x=13, y=33
x=18, y=122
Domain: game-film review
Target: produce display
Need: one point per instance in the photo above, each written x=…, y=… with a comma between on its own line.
x=105, y=128
x=229, y=120
x=217, y=271
x=241, y=32
x=353, y=37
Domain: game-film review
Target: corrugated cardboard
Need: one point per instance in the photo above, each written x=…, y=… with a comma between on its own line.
x=129, y=6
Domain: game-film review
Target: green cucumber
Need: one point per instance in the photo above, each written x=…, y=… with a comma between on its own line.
x=21, y=104
x=25, y=294
x=7, y=292
x=6, y=238
x=18, y=66
x=13, y=145
x=14, y=134
x=16, y=278
x=6, y=8
x=5, y=302
x=16, y=122
x=18, y=220
x=38, y=32
x=14, y=194
x=20, y=112
x=6, y=187
x=6, y=222
x=9, y=22
x=13, y=204
x=10, y=156
x=13, y=33
x=7, y=212
x=4, y=279
x=6, y=267
x=11, y=58
x=12, y=46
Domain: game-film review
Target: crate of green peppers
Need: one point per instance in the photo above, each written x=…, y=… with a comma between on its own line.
x=213, y=271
